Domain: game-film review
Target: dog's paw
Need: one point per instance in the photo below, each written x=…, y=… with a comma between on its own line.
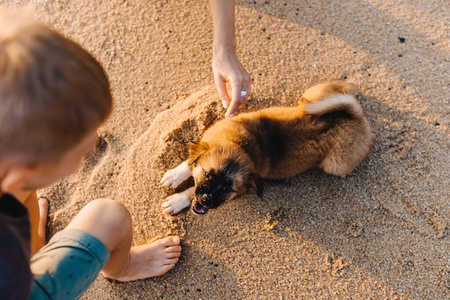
x=176, y=176
x=176, y=203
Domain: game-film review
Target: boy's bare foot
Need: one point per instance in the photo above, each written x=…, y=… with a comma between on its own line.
x=43, y=215
x=38, y=210
x=150, y=260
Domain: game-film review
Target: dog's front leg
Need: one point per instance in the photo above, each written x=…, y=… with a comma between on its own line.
x=176, y=176
x=178, y=202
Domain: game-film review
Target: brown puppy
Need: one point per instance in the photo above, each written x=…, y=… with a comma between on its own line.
x=327, y=130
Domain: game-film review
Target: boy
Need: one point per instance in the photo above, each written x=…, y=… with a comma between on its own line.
x=53, y=97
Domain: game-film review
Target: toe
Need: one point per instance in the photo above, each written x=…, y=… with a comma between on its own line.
x=167, y=242
x=166, y=268
x=171, y=261
x=175, y=240
x=173, y=249
x=173, y=254
x=170, y=241
x=43, y=205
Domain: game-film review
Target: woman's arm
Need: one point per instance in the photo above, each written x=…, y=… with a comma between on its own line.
x=226, y=65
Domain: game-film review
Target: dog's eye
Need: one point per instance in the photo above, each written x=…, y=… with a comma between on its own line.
x=206, y=174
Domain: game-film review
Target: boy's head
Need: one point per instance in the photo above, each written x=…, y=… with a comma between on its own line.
x=53, y=94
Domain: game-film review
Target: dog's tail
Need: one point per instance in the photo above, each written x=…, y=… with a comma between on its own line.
x=334, y=103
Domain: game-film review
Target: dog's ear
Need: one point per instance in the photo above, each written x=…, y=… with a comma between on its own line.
x=196, y=150
x=257, y=184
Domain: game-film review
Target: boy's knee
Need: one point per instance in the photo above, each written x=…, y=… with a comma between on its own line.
x=114, y=210
x=106, y=203
x=109, y=214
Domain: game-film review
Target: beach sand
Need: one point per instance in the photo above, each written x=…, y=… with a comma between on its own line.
x=380, y=233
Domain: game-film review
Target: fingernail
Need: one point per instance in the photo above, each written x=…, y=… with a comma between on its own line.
x=230, y=116
x=224, y=103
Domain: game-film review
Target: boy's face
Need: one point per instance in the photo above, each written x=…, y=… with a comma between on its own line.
x=45, y=175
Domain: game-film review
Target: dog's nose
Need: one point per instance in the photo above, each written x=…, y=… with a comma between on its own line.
x=206, y=198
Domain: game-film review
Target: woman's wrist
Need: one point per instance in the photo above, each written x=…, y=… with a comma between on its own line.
x=227, y=47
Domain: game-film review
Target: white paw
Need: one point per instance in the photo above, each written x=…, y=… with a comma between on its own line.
x=176, y=203
x=176, y=176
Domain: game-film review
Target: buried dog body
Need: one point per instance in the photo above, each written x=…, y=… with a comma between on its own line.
x=327, y=130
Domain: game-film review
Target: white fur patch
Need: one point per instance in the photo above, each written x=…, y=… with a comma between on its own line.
x=333, y=102
x=177, y=202
x=176, y=176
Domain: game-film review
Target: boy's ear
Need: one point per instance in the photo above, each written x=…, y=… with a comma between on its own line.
x=196, y=150
x=257, y=184
x=15, y=178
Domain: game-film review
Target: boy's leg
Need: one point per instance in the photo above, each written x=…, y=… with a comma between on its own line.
x=72, y=259
x=110, y=222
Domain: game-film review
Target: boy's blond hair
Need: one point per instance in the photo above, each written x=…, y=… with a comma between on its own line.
x=52, y=92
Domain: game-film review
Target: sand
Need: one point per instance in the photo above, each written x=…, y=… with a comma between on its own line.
x=380, y=233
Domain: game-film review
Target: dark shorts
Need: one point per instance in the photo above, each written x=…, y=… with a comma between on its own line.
x=67, y=265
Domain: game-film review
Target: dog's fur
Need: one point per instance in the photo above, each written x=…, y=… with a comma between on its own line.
x=327, y=130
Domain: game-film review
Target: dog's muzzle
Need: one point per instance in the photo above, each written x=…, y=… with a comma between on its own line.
x=198, y=208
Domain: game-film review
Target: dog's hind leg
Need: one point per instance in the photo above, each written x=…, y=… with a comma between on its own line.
x=342, y=160
x=176, y=176
x=177, y=202
x=335, y=166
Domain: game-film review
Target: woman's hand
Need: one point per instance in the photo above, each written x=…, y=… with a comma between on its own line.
x=227, y=68
x=226, y=65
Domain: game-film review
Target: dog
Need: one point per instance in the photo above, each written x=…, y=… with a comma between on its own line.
x=326, y=130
